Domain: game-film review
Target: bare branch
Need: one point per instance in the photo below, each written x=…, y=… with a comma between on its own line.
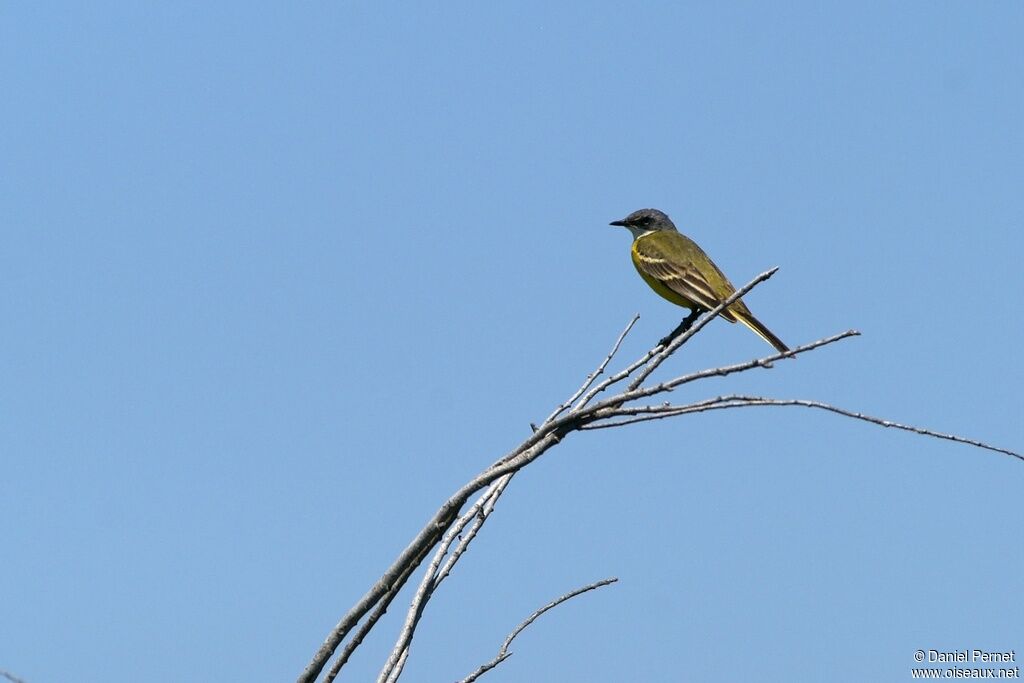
x=490, y=499
x=410, y=558
x=11, y=677
x=399, y=666
x=614, y=379
x=765, y=362
x=393, y=666
x=436, y=573
x=647, y=413
x=378, y=612
x=576, y=413
x=393, y=579
x=595, y=374
x=504, y=654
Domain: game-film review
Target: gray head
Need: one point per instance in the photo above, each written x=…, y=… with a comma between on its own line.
x=644, y=221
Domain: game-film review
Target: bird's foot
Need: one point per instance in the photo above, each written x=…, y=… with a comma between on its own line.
x=682, y=328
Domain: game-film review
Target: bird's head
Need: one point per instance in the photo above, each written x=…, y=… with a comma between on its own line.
x=644, y=221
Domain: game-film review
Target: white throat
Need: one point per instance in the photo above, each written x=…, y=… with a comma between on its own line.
x=638, y=232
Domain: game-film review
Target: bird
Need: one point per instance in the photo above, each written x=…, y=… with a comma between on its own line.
x=679, y=270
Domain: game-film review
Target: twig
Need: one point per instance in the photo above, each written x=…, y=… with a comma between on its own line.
x=697, y=327
x=435, y=573
x=378, y=612
x=765, y=362
x=396, y=575
x=11, y=677
x=490, y=499
x=504, y=654
x=647, y=413
x=392, y=580
x=659, y=353
x=399, y=666
x=595, y=374
x=614, y=379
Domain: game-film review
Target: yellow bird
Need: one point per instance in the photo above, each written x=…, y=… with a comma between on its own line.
x=679, y=270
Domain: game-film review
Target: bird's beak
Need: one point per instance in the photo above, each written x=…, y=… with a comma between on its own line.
x=621, y=224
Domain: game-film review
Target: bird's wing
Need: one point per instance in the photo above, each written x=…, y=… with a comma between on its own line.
x=669, y=266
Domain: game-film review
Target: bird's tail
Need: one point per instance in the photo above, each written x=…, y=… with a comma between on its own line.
x=762, y=331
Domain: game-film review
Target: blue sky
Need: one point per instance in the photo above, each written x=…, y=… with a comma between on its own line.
x=277, y=279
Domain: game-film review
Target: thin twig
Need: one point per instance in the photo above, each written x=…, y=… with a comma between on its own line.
x=647, y=413
x=396, y=575
x=697, y=327
x=434, y=574
x=11, y=677
x=614, y=379
x=764, y=362
x=595, y=374
x=490, y=499
x=391, y=580
x=669, y=385
x=504, y=654
x=660, y=353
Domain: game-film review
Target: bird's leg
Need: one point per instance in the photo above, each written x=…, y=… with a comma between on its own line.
x=687, y=323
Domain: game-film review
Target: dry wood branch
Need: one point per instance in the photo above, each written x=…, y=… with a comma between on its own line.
x=504, y=654
x=392, y=580
x=378, y=612
x=614, y=379
x=410, y=558
x=11, y=677
x=436, y=573
x=595, y=374
x=648, y=413
x=575, y=414
x=663, y=387
x=490, y=500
